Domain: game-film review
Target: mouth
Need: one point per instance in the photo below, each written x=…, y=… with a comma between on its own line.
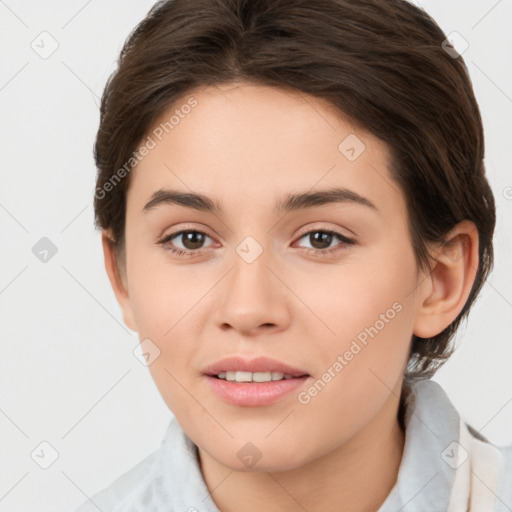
x=255, y=382
x=254, y=377
x=260, y=369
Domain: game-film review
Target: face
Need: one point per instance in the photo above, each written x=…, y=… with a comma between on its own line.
x=326, y=286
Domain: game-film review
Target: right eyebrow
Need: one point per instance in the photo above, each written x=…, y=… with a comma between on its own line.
x=187, y=199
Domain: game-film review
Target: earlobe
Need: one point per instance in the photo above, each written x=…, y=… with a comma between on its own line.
x=118, y=280
x=449, y=282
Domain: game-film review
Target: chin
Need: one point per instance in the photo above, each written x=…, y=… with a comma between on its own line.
x=249, y=457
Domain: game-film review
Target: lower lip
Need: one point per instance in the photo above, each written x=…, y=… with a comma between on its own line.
x=253, y=394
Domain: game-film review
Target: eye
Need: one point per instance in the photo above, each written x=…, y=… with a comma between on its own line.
x=191, y=240
x=321, y=240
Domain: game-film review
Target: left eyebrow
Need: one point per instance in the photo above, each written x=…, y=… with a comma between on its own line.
x=302, y=200
x=290, y=202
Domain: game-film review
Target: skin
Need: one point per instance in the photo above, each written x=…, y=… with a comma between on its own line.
x=247, y=146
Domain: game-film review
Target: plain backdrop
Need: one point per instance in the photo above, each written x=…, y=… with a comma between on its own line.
x=69, y=378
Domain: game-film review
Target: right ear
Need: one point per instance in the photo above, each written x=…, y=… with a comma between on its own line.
x=118, y=280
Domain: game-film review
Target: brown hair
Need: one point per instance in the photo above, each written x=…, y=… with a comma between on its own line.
x=382, y=63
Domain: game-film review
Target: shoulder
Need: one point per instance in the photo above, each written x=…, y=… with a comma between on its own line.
x=482, y=468
x=492, y=467
x=133, y=481
x=504, y=494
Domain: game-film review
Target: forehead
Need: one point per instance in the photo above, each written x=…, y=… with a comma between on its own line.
x=252, y=144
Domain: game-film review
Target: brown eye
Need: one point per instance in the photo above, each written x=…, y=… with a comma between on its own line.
x=321, y=240
x=191, y=240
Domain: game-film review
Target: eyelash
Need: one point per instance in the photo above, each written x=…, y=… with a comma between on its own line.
x=317, y=252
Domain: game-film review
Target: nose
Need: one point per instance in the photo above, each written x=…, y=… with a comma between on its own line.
x=253, y=299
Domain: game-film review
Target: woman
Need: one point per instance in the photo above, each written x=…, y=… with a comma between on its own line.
x=295, y=219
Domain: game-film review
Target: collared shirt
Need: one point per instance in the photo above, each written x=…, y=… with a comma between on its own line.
x=446, y=466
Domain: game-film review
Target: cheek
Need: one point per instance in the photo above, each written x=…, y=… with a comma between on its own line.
x=358, y=365
x=167, y=308
x=364, y=350
x=350, y=298
x=161, y=293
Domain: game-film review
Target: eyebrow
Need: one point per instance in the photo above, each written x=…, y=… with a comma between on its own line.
x=289, y=203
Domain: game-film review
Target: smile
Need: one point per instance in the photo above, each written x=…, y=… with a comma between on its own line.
x=253, y=377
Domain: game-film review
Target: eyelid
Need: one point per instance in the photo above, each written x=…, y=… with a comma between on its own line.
x=175, y=234
x=337, y=230
x=186, y=227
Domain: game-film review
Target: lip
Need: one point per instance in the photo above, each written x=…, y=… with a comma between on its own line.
x=259, y=364
x=253, y=394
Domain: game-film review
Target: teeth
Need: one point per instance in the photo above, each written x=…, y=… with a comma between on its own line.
x=253, y=377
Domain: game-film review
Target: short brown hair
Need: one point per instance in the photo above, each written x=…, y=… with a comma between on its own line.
x=382, y=63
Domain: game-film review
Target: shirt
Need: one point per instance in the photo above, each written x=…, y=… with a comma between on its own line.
x=446, y=466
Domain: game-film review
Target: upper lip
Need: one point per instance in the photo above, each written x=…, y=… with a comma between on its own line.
x=259, y=364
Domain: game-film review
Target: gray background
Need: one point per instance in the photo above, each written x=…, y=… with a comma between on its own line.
x=68, y=373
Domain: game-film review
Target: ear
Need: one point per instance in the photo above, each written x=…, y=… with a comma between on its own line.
x=118, y=279
x=448, y=285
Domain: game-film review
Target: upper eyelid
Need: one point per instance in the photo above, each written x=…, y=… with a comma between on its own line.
x=337, y=231
x=182, y=231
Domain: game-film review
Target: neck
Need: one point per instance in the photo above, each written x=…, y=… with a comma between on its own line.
x=356, y=476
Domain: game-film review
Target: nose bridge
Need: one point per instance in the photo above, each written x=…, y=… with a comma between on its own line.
x=251, y=296
x=252, y=248
x=250, y=277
